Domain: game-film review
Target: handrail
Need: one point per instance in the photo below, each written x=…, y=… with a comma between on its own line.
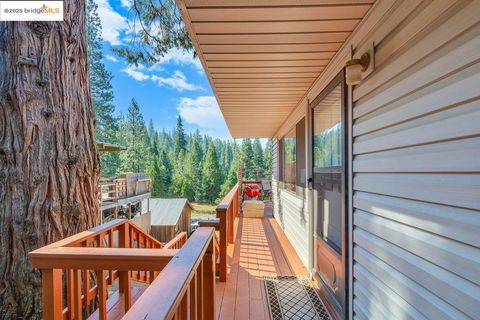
x=177, y=242
x=185, y=289
x=120, y=259
x=227, y=211
x=117, y=249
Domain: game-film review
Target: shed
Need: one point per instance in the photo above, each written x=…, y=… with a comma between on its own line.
x=169, y=217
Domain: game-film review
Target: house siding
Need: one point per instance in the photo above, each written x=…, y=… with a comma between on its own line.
x=291, y=210
x=416, y=168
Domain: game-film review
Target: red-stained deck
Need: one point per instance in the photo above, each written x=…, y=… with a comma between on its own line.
x=261, y=249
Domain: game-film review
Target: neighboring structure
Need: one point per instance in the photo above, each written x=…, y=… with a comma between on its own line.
x=169, y=217
x=109, y=147
x=126, y=196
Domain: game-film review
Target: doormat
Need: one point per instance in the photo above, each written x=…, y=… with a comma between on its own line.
x=293, y=297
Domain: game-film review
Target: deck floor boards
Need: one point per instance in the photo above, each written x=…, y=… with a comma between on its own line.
x=261, y=249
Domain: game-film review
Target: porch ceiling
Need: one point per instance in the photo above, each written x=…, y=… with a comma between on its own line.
x=262, y=56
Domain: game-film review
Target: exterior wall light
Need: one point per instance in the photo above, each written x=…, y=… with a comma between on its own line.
x=355, y=68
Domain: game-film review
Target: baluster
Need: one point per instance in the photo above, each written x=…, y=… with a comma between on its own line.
x=86, y=280
x=193, y=298
x=184, y=306
x=86, y=287
x=77, y=295
x=70, y=294
x=102, y=295
x=209, y=282
x=140, y=241
x=110, y=245
x=200, y=295
x=52, y=294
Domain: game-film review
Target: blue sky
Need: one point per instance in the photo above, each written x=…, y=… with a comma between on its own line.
x=175, y=85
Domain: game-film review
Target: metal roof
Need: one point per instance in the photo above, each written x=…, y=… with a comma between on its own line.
x=166, y=212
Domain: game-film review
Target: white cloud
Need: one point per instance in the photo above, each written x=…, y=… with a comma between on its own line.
x=135, y=72
x=109, y=57
x=177, y=81
x=126, y=3
x=180, y=58
x=113, y=24
x=202, y=111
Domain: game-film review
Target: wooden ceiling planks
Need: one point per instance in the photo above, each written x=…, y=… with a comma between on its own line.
x=261, y=56
x=298, y=13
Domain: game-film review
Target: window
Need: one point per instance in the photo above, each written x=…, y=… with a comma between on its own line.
x=328, y=135
x=290, y=159
x=328, y=166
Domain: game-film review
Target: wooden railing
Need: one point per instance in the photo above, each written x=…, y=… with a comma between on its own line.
x=177, y=242
x=116, y=188
x=86, y=263
x=227, y=211
x=185, y=289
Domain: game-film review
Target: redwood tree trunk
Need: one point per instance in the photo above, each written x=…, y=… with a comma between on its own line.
x=49, y=165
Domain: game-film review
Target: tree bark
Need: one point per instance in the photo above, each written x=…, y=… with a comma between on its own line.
x=49, y=165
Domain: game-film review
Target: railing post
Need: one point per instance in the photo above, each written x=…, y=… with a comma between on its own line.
x=52, y=294
x=230, y=220
x=239, y=199
x=209, y=282
x=124, y=279
x=223, y=215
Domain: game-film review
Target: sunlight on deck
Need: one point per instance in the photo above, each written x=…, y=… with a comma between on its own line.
x=261, y=249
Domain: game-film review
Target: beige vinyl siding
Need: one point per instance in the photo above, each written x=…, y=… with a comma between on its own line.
x=291, y=213
x=291, y=209
x=416, y=167
x=275, y=159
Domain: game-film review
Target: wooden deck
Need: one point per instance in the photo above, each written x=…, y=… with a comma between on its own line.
x=261, y=249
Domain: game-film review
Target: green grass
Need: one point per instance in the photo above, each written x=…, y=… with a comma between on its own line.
x=203, y=210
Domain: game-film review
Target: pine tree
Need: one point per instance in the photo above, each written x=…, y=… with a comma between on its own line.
x=195, y=164
x=231, y=178
x=180, y=142
x=156, y=172
x=211, y=181
x=181, y=181
x=151, y=131
x=101, y=90
x=160, y=29
x=246, y=158
x=258, y=156
x=136, y=139
x=267, y=158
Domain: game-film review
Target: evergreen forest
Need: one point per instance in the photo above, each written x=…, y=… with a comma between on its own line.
x=179, y=164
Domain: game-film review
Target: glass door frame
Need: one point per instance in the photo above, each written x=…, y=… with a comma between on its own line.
x=342, y=311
